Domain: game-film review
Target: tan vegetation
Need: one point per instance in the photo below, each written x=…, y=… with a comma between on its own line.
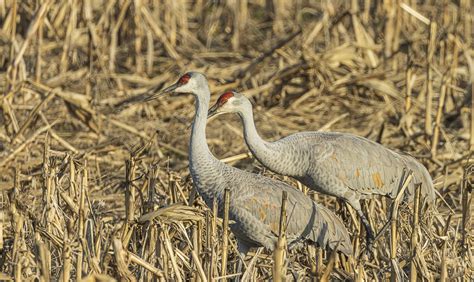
x=89, y=189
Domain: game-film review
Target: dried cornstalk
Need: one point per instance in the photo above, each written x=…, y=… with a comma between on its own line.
x=138, y=36
x=414, y=232
x=122, y=260
x=158, y=32
x=32, y=28
x=32, y=115
x=429, y=78
x=213, y=265
x=44, y=259
x=471, y=139
x=69, y=32
x=66, y=256
x=409, y=81
x=395, y=268
x=444, y=263
x=330, y=265
x=23, y=145
x=129, y=199
x=39, y=44
x=225, y=232
x=279, y=254
x=81, y=223
x=114, y=34
x=466, y=203
x=442, y=98
x=172, y=256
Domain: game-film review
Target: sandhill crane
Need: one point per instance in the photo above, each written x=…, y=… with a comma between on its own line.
x=343, y=165
x=255, y=200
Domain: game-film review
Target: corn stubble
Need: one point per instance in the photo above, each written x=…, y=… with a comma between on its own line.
x=94, y=193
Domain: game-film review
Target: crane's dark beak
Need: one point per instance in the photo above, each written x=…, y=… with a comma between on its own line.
x=150, y=95
x=213, y=111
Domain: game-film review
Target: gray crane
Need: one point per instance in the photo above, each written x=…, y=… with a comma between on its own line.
x=343, y=165
x=255, y=200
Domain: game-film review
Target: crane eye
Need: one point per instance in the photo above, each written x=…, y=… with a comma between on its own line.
x=184, y=79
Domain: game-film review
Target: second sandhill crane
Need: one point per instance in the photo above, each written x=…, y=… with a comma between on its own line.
x=343, y=165
x=255, y=200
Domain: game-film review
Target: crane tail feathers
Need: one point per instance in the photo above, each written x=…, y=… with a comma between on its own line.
x=421, y=175
x=329, y=231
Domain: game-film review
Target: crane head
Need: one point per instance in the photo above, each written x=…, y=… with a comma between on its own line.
x=188, y=83
x=229, y=102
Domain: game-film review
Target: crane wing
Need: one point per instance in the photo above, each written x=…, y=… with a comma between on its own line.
x=365, y=166
x=359, y=164
x=260, y=209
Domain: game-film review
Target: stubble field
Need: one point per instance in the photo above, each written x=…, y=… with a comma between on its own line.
x=89, y=189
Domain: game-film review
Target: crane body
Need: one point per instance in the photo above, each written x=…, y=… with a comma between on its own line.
x=343, y=165
x=255, y=200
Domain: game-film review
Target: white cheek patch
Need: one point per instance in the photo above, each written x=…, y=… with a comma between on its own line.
x=235, y=102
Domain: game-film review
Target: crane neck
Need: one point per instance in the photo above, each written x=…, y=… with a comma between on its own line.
x=255, y=143
x=205, y=169
x=274, y=156
x=198, y=144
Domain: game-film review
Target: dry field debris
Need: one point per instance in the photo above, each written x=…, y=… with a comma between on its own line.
x=95, y=192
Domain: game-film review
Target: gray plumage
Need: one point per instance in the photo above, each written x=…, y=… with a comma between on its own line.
x=255, y=200
x=343, y=165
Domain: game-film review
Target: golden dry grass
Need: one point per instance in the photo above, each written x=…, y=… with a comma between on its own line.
x=88, y=189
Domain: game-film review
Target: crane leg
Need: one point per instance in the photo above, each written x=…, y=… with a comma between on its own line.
x=243, y=250
x=368, y=229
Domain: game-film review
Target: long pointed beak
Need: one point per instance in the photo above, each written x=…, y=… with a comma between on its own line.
x=152, y=96
x=212, y=111
x=147, y=96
